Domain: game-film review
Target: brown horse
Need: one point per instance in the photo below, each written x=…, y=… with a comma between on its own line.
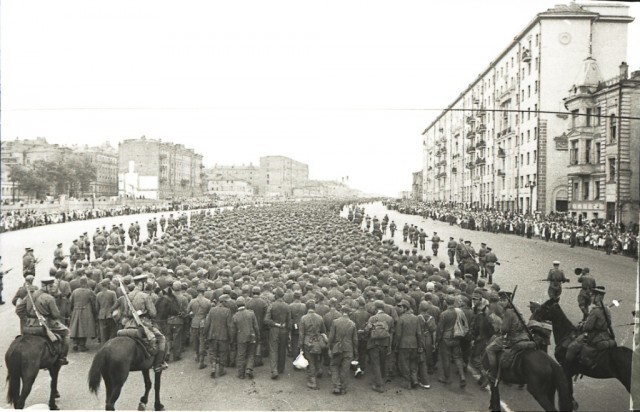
x=122, y=355
x=26, y=355
x=615, y=363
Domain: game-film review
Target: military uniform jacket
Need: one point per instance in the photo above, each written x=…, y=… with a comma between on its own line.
x=183, y=303
x=259, y=306
x=278, y=315
x=199, y=307
x=512, y=327
x=311, y=326
x=46, y=306
x=28, y=265
x=408, y=332
x=490, y=259
x=383, y=317
x=482, y=252
x=446, y=323
x=217, y=324
x=244, y=326
x=343, y=336
x=588, y=284
x=452, y=245
x=142, y=303
x=298, y=310
x=596, y=325
x=105, y=300
x=556, y=278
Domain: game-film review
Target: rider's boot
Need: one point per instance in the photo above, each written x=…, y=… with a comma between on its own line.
x=158, y=362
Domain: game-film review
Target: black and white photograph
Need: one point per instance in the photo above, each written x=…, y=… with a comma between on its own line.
x=291, y=205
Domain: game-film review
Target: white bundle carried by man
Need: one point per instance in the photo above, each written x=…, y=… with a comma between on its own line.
x=301, y=362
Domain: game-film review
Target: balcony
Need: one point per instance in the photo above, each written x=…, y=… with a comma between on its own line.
x=470, y=120
x=442, y=163
x=481, y=128
x=471, y=149
x=471, y=134
x=506, y=95
x=441, y=175
x=480, y=161
x=481, y=144
x=500, y=172
x=526, y=56
x=454, y=170
x=585, y=169
x=471, y=165
x=481, y=112
x=501, y=153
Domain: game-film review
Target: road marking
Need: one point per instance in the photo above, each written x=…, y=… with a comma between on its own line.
x=477, y=376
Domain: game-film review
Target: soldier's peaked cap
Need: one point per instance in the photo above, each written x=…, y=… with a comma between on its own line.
x=47, y=281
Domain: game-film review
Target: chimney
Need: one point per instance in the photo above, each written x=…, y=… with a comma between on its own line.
x=624, y=70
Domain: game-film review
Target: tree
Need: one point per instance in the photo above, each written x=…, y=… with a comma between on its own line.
x=29, y=181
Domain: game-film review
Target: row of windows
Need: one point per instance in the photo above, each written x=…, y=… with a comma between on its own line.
x=593, y=117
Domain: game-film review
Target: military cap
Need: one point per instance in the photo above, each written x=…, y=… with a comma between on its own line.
x=503, y=294
x=493, y=297
x=140, y=278
x=489, y=248
x=48, y=281
x=240, y=301
x=483, y=244
x=60, y=244
x=450, y=237
x=467, y=241
x=105, y=282
x=29, y=249
x=176, y=286
x=585, y=270
x=468, y=276
x=450, y=299
x=224, y=298
x=556, y=262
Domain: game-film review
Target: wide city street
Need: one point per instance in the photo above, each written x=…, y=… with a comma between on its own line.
x=185, y=387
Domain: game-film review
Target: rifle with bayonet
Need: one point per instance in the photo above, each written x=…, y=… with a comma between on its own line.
x=606, y=318
x=41, y=320
x=580, y=287
x=518, y=315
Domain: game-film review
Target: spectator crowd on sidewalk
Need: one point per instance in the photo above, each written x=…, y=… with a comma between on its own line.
x=608, y=236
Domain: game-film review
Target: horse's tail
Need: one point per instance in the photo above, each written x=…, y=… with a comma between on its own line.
x=565, y=402
x=13, y=360
x=99, y=362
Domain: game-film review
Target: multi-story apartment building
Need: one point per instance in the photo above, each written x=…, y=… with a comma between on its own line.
x=499, y=143
x=27, y=152
x=249, y=174
x=158, y=170
x=229, y=187
x=279, y=175
x=105, y=158
x=604, y=145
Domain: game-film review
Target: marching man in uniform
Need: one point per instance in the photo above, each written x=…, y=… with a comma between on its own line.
x=556, y=278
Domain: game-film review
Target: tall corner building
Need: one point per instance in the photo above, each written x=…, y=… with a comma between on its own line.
x=496, y=145
x=279, y=175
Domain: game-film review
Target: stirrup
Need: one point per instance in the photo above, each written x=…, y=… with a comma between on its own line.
x=161, y=367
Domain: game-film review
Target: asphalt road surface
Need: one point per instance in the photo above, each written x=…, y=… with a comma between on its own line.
x=187, y=388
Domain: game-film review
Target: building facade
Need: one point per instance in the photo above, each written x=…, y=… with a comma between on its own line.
x=604, y=145
x=279, y=175
x=154, y=169
x=105, y=158
x=416, y=185
x=249, y=174
x=27, y=152
x=500, y=144
x=234, y=188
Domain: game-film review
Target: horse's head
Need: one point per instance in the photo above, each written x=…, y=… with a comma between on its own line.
x=545, y=311
x=167, y=304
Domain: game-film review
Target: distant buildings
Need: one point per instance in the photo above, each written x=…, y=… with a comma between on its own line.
x=279, y=175
x=502, y=142
x=105, y=158
x=154, y=169
x=219, y=173
x=27, y=152
x=236, y=188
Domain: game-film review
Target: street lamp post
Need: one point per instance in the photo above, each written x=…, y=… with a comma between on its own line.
x=530, y=185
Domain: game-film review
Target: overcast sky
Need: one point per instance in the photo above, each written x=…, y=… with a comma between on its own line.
x=334, y=84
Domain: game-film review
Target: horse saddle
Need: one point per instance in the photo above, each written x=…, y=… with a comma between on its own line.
x=591, y=355
x=137, y=334
x=53, y=347
x=510, y=355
